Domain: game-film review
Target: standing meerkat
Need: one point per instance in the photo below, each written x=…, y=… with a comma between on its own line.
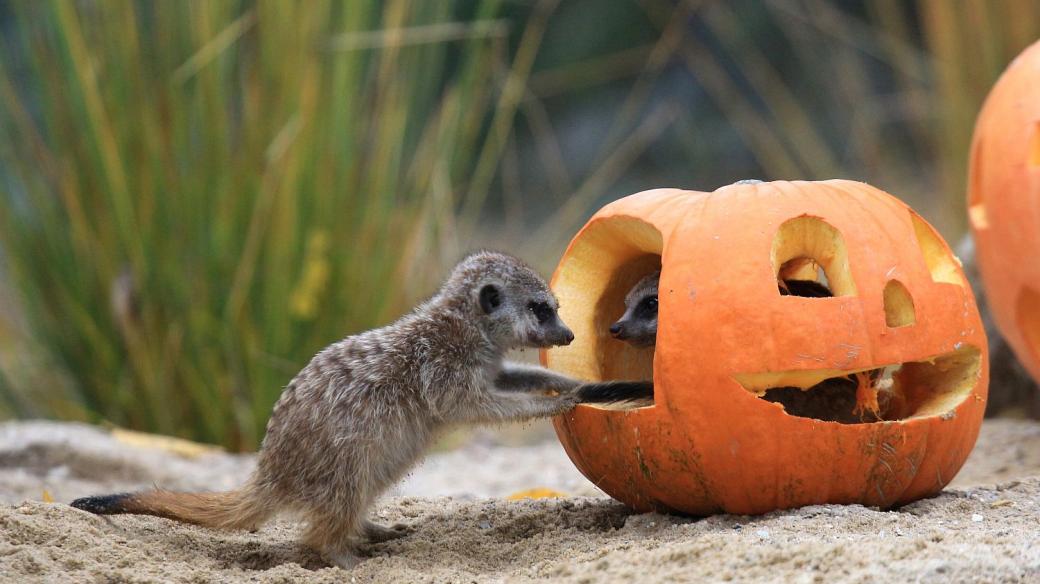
x=364, y=410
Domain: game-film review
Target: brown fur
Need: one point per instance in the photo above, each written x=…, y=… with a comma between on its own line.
x=226, y=510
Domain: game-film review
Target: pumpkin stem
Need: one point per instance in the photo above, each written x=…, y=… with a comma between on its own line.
x=866, y=395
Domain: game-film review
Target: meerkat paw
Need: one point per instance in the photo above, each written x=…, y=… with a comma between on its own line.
x=560, y=404
x=569, y=400
x=377, y=533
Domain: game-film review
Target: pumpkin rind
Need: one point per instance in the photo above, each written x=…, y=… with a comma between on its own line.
x=1004, y=204
x=708, y=444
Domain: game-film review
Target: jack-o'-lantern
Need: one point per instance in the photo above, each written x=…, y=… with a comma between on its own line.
x=1004, y=204
x=900, y=320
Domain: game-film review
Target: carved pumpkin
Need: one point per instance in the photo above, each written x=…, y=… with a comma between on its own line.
x=1004, y=204
x=713, y=441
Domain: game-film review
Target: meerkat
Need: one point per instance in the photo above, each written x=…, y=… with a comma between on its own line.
x=364, y=410
x=831, y=400
x=638, y=325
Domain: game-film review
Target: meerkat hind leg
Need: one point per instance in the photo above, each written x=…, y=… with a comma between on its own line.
x=335, y=536
x=345, y=560
x=377, y=533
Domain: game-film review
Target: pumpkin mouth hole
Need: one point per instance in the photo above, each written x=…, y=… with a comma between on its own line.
x=914, y=389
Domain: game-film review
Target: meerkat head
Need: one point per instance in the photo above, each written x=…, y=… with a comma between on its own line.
x=638, y=326
x=509, y=300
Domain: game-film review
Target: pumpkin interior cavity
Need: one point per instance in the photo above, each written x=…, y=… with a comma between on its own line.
x=931, y=387
x=1027, y=313
x=604, y=264
x=808, y=248
x=941, y=263
x=899, y=305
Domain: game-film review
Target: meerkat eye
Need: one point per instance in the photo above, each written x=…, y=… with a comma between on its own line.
x=490, y=299
x=647, y=308
x=541, y=310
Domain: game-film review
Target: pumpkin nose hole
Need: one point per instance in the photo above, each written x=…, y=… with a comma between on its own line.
x=899, y=306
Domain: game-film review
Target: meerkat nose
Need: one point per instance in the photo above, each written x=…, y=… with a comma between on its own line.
x=615, y=329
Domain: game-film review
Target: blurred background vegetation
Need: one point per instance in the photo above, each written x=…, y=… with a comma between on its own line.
x=197, y=196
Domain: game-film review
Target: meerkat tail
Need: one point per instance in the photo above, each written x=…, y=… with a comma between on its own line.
x=616, y=392
x=224, y=510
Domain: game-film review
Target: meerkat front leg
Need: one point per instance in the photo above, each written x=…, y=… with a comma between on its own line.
x=517, y=377
x=498, y=406
x=520, y=377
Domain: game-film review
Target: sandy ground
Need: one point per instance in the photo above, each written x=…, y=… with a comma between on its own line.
x=986, y=527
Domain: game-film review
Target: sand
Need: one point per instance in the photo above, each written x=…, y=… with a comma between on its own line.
x=985, y=527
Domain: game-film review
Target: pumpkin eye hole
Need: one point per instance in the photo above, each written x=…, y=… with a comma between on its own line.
x=939, y=260
x=899, y=305
x=808, y=282
x=810, y=260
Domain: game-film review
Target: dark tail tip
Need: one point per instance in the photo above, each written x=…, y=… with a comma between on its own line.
x=103, y=504
x=616, y=391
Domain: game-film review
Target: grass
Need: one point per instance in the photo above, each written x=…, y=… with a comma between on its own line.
x=199, y=195
x=196, y=196
x=815, y=90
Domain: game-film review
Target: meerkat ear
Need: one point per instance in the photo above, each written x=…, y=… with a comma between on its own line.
x=490, y=298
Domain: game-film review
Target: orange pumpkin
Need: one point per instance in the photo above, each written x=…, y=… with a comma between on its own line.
x=1004, y=204
x=726, y=338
